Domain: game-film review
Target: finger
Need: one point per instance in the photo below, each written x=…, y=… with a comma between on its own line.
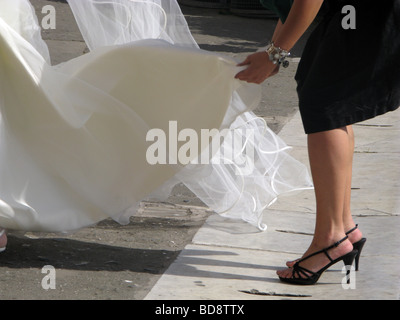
x=245, y=62
x=238, y=76
x=246, y=72
x=241, y=75
x=247, y=76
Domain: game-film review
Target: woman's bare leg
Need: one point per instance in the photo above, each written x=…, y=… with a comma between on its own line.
x=331, y=162
x=348, y=221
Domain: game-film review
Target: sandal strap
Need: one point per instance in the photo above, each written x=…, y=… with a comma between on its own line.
x=299, y=270
x=325, y=250
x=351, y=230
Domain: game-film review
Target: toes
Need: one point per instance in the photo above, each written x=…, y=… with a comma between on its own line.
x=286, y=273
x=290, y=264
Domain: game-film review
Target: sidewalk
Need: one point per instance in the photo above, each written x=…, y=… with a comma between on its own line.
x=225, y=266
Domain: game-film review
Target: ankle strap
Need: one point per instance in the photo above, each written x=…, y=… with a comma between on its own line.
x=351, y=230
x=336, y=244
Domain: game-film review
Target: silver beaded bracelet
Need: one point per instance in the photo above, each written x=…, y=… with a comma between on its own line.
x=277, y=55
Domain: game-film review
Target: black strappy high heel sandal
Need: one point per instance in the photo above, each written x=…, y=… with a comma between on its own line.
x=303, y=276
x=357, y=246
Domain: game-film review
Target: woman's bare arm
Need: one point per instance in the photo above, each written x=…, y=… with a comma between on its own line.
x=277, y=31
x=302, y=14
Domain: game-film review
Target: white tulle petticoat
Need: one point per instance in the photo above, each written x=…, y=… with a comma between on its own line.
x=74, y=137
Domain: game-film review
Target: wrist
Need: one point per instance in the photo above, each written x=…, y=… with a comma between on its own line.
x=277, y=55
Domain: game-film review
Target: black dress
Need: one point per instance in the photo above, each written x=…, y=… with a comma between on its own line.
x=350, y=75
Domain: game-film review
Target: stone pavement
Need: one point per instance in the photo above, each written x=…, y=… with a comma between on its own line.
x=222, y=265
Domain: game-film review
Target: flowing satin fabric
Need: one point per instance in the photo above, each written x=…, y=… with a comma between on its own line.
x=73, y=136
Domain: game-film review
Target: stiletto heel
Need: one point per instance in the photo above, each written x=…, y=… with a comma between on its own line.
x=348, y=260
x=357, y=246
x=303, y=276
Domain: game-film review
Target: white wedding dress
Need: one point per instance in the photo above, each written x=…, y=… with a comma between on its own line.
x=73, y=137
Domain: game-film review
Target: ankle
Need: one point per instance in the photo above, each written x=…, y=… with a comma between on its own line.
x=352, y=231
x=328, y=235
x=327, y=239
x=355, y=235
